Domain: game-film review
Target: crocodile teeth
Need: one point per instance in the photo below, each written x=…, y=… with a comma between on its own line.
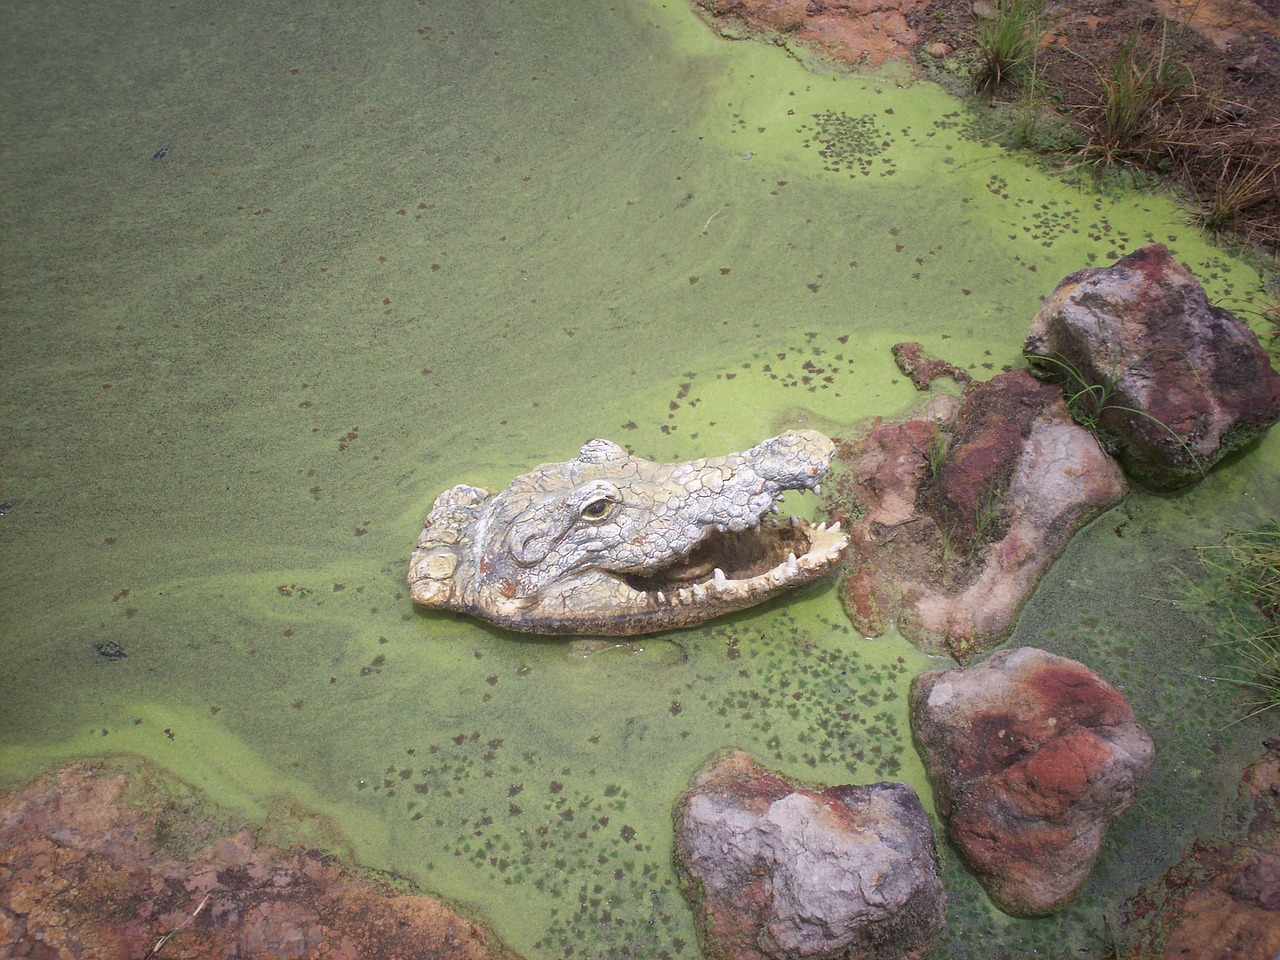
x=662, y=597
x=834, y=527
x=793, y=565
x=817, y=488
x=718, y=577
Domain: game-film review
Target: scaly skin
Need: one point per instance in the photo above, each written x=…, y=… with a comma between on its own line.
x=613, y=545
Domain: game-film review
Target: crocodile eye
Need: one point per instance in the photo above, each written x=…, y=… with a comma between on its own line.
x=596, y=509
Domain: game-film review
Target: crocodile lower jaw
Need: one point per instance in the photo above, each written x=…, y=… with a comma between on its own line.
x=605, y=605
x=826, y=544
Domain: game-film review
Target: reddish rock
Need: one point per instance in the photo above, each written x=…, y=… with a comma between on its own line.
x=1222, y=902
x=955, y=514
x=867, y=32
x=101, y=862
x=776, y=870
x=987, y=440
x=923, y=369
x=1173, y=382
x=1032, y=758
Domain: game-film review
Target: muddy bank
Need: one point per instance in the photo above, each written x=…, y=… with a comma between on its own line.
x=118, y=860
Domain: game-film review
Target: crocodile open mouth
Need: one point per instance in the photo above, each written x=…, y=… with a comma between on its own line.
x=774, y=555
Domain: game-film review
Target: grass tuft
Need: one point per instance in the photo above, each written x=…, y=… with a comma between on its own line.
x=1008, y=36
x=1247, y=565
x=1240, y=168
x=1137, y=117
x=1090, y=402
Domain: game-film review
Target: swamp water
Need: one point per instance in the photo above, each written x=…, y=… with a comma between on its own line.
x=276, y=275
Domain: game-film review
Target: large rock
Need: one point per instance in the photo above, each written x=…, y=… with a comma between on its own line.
x=1032, y=758
x=774, y=870
x=1172, y=381
x=105, y=862
x=955, y=513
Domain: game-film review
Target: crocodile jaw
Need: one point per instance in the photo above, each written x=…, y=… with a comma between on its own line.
x=608, y=605
x=787, y=554
x=711, y=545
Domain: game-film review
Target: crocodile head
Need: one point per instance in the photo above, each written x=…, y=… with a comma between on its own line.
x=613, y=545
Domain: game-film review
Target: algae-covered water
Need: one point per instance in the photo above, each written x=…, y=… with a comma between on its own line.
x=277, y=274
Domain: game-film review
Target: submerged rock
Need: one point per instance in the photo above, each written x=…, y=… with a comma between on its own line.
x=775, y=870
x=923, y=369
x=1172, y=381
x=955, y=514
x=1222, y=901
x=106, y=862
x=1032, y=758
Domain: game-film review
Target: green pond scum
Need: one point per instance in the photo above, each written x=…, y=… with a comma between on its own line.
x=277, y=275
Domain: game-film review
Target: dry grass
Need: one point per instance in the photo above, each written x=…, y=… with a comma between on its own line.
x=1140, y=102
x=1235, y=171
x=1157, y=99
x=1150, y=111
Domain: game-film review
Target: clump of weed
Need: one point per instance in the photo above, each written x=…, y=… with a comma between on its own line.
x=1008, y=36
x=1027, y=116
x=1091, y=401
x=1271, y=315
x=938, y=450
x=1138, y=117
x=987, y=516
x=1247, y=566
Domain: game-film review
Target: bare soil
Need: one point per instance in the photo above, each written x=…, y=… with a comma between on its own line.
x=1213, y=127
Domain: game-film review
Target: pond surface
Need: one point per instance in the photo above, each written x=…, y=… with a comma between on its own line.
x=277, y=274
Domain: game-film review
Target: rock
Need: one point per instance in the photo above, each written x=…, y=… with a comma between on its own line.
x=1173, y=381
x=988, y=437
x=103, y=861
x=1032, y=758
x=865, y=32
x=774, y=870
x=954, y=514
x=1222, y=901
x=923, y=369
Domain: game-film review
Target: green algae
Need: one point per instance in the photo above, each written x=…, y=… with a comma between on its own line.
x=385, y=254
